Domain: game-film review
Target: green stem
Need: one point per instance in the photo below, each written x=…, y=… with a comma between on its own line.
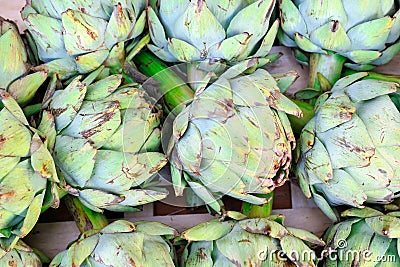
x=32, y=110
x=308, y=113
x=175, y=91
x=376, y=76
x=329, y=66
x=256, y=211
x=85, y=218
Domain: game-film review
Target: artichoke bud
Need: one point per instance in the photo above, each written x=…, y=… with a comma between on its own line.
x=82, y=36
x=122, y=243
x=15, y=77
x=234, y=141
x=104, y=136
x=27, y=172
x=249, y=242
x=20, y=255
x=196, y=31
x=365, y=236
x=349, y=150
x=348, y=28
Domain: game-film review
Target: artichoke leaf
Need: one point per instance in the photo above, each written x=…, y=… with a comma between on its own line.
x=83, y=33
x=208, y=231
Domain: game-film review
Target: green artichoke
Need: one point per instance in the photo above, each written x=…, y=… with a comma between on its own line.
x=233, y=139
x=367, y=238
x=14, y=65
x=121, y=243
x=27, y=175
x=79, y=36
x=188, y=31
x=249, y=242
x=105, y=139
x=350, y=150
x=20, y=256
x=365, y=32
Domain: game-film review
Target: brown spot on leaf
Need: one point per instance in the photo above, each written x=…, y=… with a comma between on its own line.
x=3, y=139
x=334, y=26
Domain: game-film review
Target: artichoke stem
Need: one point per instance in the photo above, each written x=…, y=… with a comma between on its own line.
x=85, y=218
x=329, y=66
x=256, y=211
x=175, y=91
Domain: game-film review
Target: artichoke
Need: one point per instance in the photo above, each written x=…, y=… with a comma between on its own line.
x=368, y=238
x=15, y=64
x=363, y=33
x=249, y=242
x=350, y=149
x=189, y=31
x=121, y=243
x=27, y=175
x=233, y=141
x=82, y=35
x=20, y=256
x=105, y=139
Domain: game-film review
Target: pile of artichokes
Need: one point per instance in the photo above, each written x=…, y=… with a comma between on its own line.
x=99, y=99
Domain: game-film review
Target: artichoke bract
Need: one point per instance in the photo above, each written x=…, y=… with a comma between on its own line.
x=212, y=31
x=27, y=175
x=79, y=36
x=14, y=65
x=350, y=149
x=121, y=243
x=20, y=256
x=105, y=137
x=233, y=139
x=363, y=33
x=249, y=242
x=367, y=238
